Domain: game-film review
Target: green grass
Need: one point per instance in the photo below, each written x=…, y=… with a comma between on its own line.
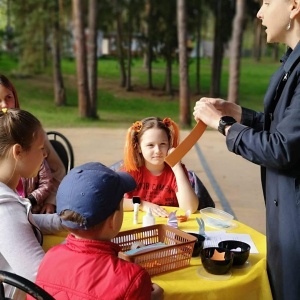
x=118, y=108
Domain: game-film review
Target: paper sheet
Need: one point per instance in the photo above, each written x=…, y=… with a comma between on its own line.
x=217, y=236
x=146, y=248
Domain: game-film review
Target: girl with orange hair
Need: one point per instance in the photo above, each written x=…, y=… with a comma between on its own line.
x=148, y=142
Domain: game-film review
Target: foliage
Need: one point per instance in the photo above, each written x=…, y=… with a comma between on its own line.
x=118, y=108
x=32, y=21
x=224, y=9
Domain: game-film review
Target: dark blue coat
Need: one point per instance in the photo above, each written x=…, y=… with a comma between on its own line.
x=272, y=140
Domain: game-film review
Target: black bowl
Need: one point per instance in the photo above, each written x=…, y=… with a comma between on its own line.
x=216, y=260
x=198, y=246
x=241, y=250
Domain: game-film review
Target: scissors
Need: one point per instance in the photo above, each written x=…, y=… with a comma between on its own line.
x=201, y=227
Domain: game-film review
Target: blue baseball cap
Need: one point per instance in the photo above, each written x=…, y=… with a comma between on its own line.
x=94, y=191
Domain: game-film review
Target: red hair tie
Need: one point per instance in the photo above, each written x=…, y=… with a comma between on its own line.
x=137, y=126
x=167, y=122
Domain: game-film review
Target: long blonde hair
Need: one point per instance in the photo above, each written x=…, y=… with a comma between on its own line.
x=133, y=160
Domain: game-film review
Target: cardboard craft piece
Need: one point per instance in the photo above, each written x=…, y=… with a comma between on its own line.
x=185, y=146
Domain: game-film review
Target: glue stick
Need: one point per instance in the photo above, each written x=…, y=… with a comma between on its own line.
x=136, y=204
x=148, y=218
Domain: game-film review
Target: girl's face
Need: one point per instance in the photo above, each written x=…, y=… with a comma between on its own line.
x=7, y=98
x=30, y=162
x=275, y=16
x=154, y=146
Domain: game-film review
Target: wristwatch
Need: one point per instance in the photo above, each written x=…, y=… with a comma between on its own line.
x=225, y=121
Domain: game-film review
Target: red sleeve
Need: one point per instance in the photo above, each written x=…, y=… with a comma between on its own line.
x=140, y=288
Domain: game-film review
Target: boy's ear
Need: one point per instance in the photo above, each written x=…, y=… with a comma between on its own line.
x=110, y=221
x=17, y=151
x=114, y=219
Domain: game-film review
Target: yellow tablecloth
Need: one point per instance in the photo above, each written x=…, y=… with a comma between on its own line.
x=248, y=283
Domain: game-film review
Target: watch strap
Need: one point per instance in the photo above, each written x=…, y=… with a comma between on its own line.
x=224, y=122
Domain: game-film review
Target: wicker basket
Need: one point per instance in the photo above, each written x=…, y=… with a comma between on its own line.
x=175, y=255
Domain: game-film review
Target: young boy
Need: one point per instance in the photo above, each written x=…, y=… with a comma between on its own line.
x=90, y=205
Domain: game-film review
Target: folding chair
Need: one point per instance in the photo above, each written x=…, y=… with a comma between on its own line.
x=23, y=284
x=63, y=148
x=202, y=193
x=117, y=166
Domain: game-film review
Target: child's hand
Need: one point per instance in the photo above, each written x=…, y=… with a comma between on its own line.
x=157, y=292
x=36, y=209
x=157, y=210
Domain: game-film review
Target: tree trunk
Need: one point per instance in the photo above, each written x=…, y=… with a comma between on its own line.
x=80, y=46
x=92, y=58
x=257, y=41
x=149, y=34
x=184, y=99
x=198, y=43
x=120, y=49
x=129, y=52
x=8, y=29
x=44, y=61
x=235, y=52
x=168, y=82
x=218, y=53
x=59, y=90
x=168, y=43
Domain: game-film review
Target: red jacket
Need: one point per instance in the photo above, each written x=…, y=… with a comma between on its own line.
x=89, y=269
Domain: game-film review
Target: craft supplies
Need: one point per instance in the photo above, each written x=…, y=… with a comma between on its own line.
x=136, y=206
x=175, y=254
x=148, y=218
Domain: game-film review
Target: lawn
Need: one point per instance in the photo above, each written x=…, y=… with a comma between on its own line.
x=118, y=108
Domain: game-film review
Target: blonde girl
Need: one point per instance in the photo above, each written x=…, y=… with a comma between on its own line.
x=21, y=154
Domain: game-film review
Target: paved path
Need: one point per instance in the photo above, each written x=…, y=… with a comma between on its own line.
x=233, y=183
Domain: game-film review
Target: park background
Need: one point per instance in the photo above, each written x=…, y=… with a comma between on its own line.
x=81, y=66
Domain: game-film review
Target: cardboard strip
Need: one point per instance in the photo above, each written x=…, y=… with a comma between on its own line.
x=181, y=150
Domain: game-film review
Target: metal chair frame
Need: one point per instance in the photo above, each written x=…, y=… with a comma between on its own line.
x=63, y=148
x=23, y=284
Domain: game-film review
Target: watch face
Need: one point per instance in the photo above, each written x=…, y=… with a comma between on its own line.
x=227, y=120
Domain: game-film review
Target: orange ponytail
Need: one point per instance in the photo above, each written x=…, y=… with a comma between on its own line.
x=131, y=150
x=174, y=129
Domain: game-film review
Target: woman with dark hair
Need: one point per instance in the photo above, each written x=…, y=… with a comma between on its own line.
x=9, y=99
